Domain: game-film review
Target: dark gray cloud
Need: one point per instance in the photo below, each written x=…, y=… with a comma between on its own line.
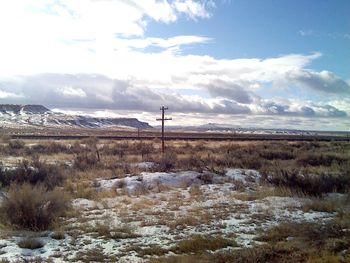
x=324, y=81
x=230, y=107
x=91, y=91
x=98, y=91
x=310, y=110
x=233, y=91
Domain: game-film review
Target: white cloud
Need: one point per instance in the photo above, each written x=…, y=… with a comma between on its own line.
x=193, y=9
x=69, y=91
x=129, y=44
x=86, y=36
x=94, y=55
x=342, y=104
x=323, y=34
x=308, y=32
x=8, y=95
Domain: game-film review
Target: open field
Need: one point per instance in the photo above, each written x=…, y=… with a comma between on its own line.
x=174, y=134
x=106, y=200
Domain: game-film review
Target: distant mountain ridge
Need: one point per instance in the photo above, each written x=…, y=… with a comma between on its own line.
x=13, y=115
x=16, y=109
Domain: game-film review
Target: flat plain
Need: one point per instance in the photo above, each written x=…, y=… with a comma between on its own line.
x=104, y=200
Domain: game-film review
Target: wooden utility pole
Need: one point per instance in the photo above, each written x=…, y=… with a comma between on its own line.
x=163, y=109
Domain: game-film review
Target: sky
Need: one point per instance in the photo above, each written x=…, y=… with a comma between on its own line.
x=245, y=63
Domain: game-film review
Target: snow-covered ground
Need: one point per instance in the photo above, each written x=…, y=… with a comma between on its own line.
x=171, y=207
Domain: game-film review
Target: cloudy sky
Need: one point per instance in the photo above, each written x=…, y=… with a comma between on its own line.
x=251, y=63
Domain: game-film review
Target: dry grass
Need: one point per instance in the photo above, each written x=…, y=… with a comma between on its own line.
x=183, y=222
x=266, y=191
x=33, y=207
x=30, y=243
x=281, y=164
x=195, y=191
x=81, y=189
x=58, y=234
x=200, y=243
x=321, y=205
x=144, y=203
x=105, y=230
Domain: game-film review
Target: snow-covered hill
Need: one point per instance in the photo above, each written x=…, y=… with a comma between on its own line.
x=38, y=115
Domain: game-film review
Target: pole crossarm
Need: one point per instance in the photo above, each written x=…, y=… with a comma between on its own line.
x=163, y=109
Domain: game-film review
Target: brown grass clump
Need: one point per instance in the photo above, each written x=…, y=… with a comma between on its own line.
x=81, y=189
x=48, y=148
x=168, y=161
x=84, y=161
x=153, y=250
x=105, y=230
x=318, y=159
x=183, y=222
x=266, y=191
x=107, y=193
x=58, y=235
x=199, y=243
x=308, y=233
x=140, y=189
x=95, y=254
x=33, y=172
x=320, y=205
x=33, y=207
x=191, y=162
x=196, y=258
x=30, y=243
x=16, y=144
x=195, y=190
x=310, y=184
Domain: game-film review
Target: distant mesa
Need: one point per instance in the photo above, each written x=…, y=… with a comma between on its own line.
x=17, y=109
x=14, y=115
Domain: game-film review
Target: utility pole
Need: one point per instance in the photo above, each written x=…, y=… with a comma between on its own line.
x=163, y=109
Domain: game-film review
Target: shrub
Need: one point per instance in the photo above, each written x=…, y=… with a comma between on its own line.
x=84, y=161
x=33, y=207
x=310, y=232
x=193, y=162
x=49, y=148
x=82, y=189
x=90, y=142
x=119, y=149
x=30, y=243
x=320, y=205
x=32, y=172
x=16, y=144
x=5, y=138
x=311, y=184
x=168, y=161
x=144, y=149
x=318, y=159
x=199, y=243
x=140, y=189
x=152, y=250
x=265, y=253
x=195, y=190
x=251, y=162
x=206, y=177
x=283, y=154
x=58, y=235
